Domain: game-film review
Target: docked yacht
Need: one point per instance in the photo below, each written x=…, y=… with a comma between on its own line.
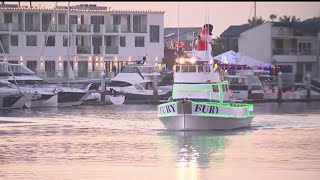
x=200, y=101
x=135, y=88
x=13, y=98
x=46, y=95
x=245, y=85
x=150, y=73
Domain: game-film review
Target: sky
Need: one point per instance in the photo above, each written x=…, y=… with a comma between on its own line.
x=220, y=14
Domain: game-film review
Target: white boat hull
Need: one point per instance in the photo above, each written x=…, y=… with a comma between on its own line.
x=192, y=115
x=194, y=122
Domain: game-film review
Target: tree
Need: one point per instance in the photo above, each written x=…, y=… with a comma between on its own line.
x=288, y=19
x=218, y=46
x=273, y=17
x=256, y=21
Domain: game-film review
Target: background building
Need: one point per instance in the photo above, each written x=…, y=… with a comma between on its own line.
x=99, y=38
x=294, y=46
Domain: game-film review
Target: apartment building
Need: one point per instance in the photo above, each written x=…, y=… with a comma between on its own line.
x=292, y=46
x=99, y=38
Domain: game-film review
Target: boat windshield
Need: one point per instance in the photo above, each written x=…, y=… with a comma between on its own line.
x=192, y=68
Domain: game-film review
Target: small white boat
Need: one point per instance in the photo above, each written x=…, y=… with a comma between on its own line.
x=201, y=101
x=135, y=88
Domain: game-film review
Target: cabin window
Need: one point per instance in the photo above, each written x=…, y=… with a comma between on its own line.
x=177, y=68
x=215, y=88
x=184, y=68
x=192, y=68
x=138, y=87
x=200, y=68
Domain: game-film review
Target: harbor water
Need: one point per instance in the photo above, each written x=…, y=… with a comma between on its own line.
x=129, y=142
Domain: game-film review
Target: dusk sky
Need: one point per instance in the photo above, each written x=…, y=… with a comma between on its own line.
x=221, y=14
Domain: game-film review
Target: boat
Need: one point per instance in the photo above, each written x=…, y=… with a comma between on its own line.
x=12, y=98
x=151, y=73
x=135, y=88
x=245, y=86
x=199, y=102
x=46, y=95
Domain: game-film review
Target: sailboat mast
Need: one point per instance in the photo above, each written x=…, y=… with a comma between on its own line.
x=178, y=30
x=68, y=48
x=255, y=9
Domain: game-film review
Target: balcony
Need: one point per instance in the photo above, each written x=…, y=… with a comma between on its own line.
x=53, y=28
x=4, y=27
x=84, y=49
x=112, y=50
x=113, y=29
x=139, y=28
x=125, y=29
x=33, y=27
x=17, y=27
x=62, y=27
x=84, y=28
x=294, y=51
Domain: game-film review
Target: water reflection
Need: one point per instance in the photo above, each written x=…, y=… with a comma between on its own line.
x=200, y=147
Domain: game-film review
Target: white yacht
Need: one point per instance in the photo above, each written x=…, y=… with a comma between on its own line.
x=200, y=101
x=46, y=95
x=135, y=88
x=245, y=85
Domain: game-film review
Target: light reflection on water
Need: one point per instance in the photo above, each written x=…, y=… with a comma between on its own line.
x=129, y=142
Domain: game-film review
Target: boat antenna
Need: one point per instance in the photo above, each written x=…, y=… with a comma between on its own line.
x=178, y=30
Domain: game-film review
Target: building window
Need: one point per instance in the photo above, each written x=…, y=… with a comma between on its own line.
x=108, y=40
x=7, y=18
x=50, y=68
x=62, y=19
x=122, y=41
x=139, y=41
x=65, y=41
x=305, y=48
x=154, y=33
x=73, y=19
x=32, y=65
x=51, y=41
x=286, y=68
x=31, y=40
x=116, y=20
x=14, y=40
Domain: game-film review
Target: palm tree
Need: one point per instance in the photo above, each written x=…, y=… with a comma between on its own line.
x=286, y=18
x=256, y=21
x=272, y=17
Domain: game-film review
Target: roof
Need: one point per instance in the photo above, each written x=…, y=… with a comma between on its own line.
x=235, y=31
x=77, y=8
